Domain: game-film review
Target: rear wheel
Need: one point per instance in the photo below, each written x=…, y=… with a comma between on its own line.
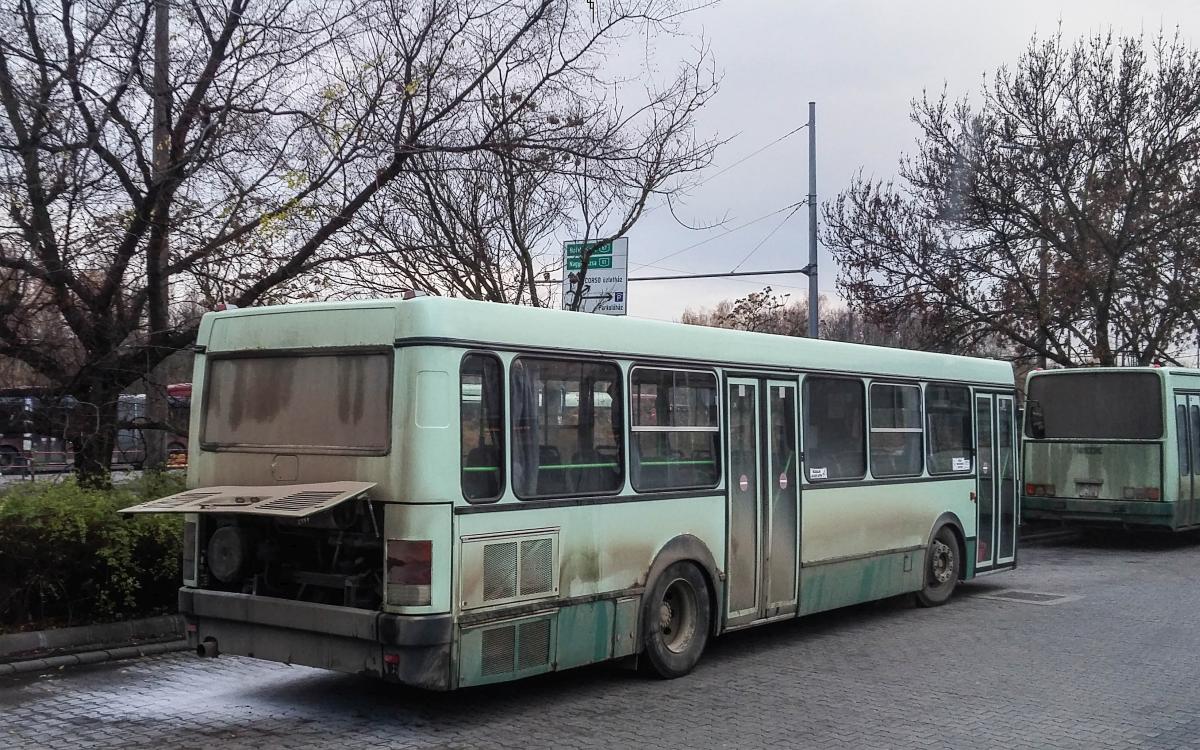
x=676, y=620
x=942, y=565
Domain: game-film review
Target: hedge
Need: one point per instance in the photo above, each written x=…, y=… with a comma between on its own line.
x=68, y=558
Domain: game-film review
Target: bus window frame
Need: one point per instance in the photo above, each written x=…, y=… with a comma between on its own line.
x=333, y=351
x=622, y=438
x=974, y=429
x=504, y=426
x=719, y=429
x=866, y=424
x=921, y=430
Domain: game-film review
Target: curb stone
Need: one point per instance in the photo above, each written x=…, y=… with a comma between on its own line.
x=91, y=657
x=58, y=642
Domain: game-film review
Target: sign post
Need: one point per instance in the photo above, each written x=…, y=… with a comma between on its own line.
x=606, y=279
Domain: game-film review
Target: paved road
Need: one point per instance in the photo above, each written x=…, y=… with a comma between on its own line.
x=1116, y=664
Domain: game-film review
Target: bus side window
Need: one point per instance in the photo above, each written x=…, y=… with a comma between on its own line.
x=948, y=421
x=897, y=441
x=675, y=431
x=568, y=428
x=481, y=415
x=835, y=445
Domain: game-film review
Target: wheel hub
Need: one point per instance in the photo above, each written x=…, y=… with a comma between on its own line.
x=677, y=613
x=941, y=566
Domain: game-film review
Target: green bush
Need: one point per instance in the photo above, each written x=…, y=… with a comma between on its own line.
x=68, y=558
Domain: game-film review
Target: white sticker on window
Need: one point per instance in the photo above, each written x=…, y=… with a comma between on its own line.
x=960, y=464
x=781, y=391
x=741, y=389
x=821, y=473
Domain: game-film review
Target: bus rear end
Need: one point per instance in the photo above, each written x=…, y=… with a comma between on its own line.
x=1093, y=449
x=306, y=539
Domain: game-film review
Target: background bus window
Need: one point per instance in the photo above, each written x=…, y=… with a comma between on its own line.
x=948, y=419
x=896, y=439
x=567, y=428
x=481, y=409
x=835, y=445
x=1089, y=405
x=675, y=431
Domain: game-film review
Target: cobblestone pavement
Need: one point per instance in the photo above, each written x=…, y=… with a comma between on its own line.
x=1117, y=666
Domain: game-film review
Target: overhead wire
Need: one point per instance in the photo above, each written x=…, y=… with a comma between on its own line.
x=789, y=207
x=763, y=241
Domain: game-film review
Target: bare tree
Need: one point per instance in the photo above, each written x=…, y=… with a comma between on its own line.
x=287, y=119
x=489, y=224
x=1058, y=215
x=767, y=311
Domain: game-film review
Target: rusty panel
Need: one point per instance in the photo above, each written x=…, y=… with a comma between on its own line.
x=285, y=501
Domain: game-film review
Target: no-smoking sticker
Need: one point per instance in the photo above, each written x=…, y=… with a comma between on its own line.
x=783, y=481
x=744, y=483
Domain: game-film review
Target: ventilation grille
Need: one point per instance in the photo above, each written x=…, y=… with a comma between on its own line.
x=517, y=566
x=299, y=501
x=533, y=644
x=509, y=569
x=537, y=566
x=499, y=650
x=515, y=647
x=174, y=501
x=499, y=571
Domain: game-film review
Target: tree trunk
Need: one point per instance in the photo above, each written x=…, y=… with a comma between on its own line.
x=93, y=434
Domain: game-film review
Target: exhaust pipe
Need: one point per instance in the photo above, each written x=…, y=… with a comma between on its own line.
x=208, y=649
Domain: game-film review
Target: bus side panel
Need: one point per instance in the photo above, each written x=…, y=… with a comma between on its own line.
x=601, y=556
x=865, y=543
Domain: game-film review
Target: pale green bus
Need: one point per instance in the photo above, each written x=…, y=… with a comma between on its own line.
x=448, y=493
x=1114, y=447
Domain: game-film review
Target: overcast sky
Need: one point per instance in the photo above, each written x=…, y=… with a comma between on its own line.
x=862, y=62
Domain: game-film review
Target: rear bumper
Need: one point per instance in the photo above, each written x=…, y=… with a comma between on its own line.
x=1125, y=513
x=414, y=650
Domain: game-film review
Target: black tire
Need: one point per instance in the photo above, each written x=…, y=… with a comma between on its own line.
x=676, y=621
x=943, y=565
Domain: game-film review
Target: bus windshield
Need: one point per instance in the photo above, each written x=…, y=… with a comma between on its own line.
x=311, y=403
x=1098, y=405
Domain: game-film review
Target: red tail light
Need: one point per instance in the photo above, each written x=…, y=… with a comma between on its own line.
x=1031, y=489
x=1153, y=493
x=409, y=572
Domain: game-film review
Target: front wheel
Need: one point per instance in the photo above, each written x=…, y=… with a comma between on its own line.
x=676, y=620
x=942, y=565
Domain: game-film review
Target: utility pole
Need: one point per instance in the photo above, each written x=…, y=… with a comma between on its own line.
x=813, y=294
x=156, y=393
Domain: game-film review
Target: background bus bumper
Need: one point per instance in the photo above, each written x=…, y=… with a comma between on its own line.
x=414, y=650
x=1129, y=513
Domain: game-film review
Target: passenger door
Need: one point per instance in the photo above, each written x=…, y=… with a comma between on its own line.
x=763, y=501
x=1184, y=440
x=996, y=485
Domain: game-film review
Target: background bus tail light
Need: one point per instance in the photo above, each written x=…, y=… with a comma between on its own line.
x=1040, y=490
x=1142, y=493
x=409, y=572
